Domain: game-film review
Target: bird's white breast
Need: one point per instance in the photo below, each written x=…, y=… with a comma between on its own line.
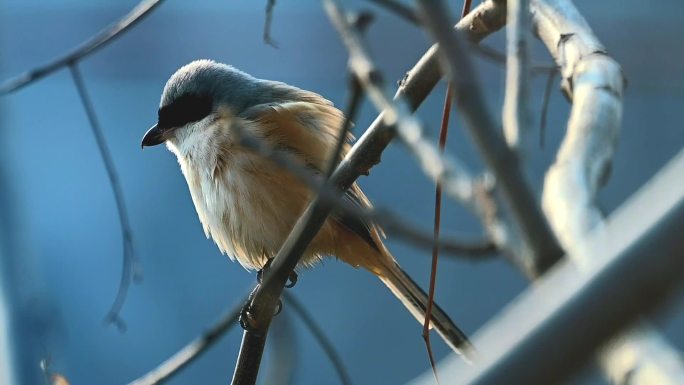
x=245, y=203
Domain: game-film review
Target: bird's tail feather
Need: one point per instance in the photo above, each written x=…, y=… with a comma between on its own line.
x=415, y=300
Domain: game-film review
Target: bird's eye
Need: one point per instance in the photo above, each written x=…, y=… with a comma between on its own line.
x=185, y=109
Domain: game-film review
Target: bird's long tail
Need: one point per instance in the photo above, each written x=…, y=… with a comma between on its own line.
x=415, y=300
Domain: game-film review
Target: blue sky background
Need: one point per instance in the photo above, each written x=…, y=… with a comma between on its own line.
x=61, y=238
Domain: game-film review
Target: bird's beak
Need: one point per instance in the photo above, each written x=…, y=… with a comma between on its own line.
x=152, y=137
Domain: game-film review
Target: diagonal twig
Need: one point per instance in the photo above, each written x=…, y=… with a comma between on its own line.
x=192, y=351
x=319, y=335
x=353, y=104
x=88, y=47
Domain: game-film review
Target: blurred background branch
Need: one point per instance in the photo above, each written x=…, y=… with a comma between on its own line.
x=517, y=118
x=594, y=82
x=131, y=270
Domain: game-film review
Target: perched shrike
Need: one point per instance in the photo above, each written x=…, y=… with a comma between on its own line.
x=248, y=204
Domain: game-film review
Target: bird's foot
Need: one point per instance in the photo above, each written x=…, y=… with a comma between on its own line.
x=247, y=321
x=260, y=272
x=291, y=279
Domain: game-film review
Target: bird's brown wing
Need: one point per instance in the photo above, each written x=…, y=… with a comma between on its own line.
x=310, y=131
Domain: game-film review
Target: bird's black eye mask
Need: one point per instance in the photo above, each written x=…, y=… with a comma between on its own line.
x=183, y=110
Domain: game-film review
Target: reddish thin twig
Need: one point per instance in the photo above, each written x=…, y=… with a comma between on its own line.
x=443, y=132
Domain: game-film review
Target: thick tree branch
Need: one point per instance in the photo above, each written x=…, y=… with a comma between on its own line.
x=594, y=82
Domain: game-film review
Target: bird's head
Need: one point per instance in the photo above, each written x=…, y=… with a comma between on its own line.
x=193, y=96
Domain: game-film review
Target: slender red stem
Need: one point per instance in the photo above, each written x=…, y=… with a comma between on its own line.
x=443, y=132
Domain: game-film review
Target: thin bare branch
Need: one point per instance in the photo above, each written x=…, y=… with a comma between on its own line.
x=284, y=352
x=544, y=250
x=319, y=335
x=88, y=47
x=456, y=178
x=485, y=19
x=561, y=320
x=545, y=107
x=449, y=244
x=131, y=269
x=268, y=39
x=191, y=351
x=517, y=117
x=353, y=103
x=400, y=9
x=194, y=350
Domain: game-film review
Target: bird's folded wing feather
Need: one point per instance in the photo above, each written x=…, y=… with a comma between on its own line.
x=310, y=131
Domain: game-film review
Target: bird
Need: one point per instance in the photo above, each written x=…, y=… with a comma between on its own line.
x=248, y=203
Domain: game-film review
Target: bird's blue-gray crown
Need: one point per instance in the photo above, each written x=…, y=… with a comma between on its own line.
x=198, y=88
